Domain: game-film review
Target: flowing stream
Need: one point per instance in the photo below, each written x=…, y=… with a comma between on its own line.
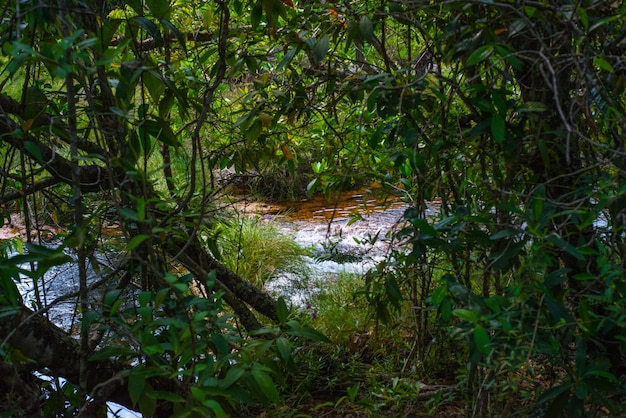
x=349, y=234
x=346, y=234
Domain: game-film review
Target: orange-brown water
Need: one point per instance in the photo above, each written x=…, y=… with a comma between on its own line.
x=356, y=203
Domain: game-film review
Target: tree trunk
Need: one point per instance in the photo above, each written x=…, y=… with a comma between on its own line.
x=49, y=347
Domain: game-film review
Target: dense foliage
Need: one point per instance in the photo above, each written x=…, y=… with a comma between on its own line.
x=509, y=115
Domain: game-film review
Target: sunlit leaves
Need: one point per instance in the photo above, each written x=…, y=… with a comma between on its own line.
x=136, y=241
x=479, y=55
x=603, y=64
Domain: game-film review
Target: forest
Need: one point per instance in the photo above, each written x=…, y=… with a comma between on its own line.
x=130, y=128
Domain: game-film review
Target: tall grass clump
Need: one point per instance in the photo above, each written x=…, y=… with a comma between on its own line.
x=337, y=310
x=260, y=252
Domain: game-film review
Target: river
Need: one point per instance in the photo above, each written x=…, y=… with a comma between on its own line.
x=350, y=234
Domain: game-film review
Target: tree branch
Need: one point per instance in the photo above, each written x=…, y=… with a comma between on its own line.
x=92, y=177
x=33, y=188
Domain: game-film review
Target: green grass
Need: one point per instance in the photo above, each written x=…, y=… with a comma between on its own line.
x=259, y=252
x=337, y=311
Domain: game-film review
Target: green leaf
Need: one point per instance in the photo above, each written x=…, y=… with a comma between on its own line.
x=255, y=130
x=287, y=58
x=602, y=373
x=604, y=21
x=33, y=149
x=559, y=242
x=182, y=40
x=466, y=315
x=215, y=407
x=266, y=384
x=9, y=290
x=284, y=348
x=585, y=276
x=128, y=213
x=529, y=107
x=281, y=310
x=141, y=209
x=299, y=330
x=165, y=105
x=144, y=298
x=445, y=310
x=498, y=128
x=135, y=241
x=553, y=392
x=603, y=64
x=107, y=31
x=112, y=351
x=584, y=18
x=221, y=344
x=504, y=233
x=160, y=297
x=147, y=404
x=479, y=55
x=159, y=130
x=166, y=396
x=136, y=5
x=151, y=28
x=581, y=390
x=208, y=19
x=44, y=256
x=538, y=203
x=424, y=227
x=136, y=385
x=393, y=291
x=154, y=84
x=232, y=376
x=495, y=302
x=256, y=14
x=481, y=338
x=111, y=296
x=8, y=311
x=320, y=49
x=310, y=188
x=366, y=29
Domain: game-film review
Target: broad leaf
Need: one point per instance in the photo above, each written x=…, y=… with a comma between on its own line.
x=136, y=241
x=498, y=128
x=320, y=49
x=479, y=55
x=266, y=384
